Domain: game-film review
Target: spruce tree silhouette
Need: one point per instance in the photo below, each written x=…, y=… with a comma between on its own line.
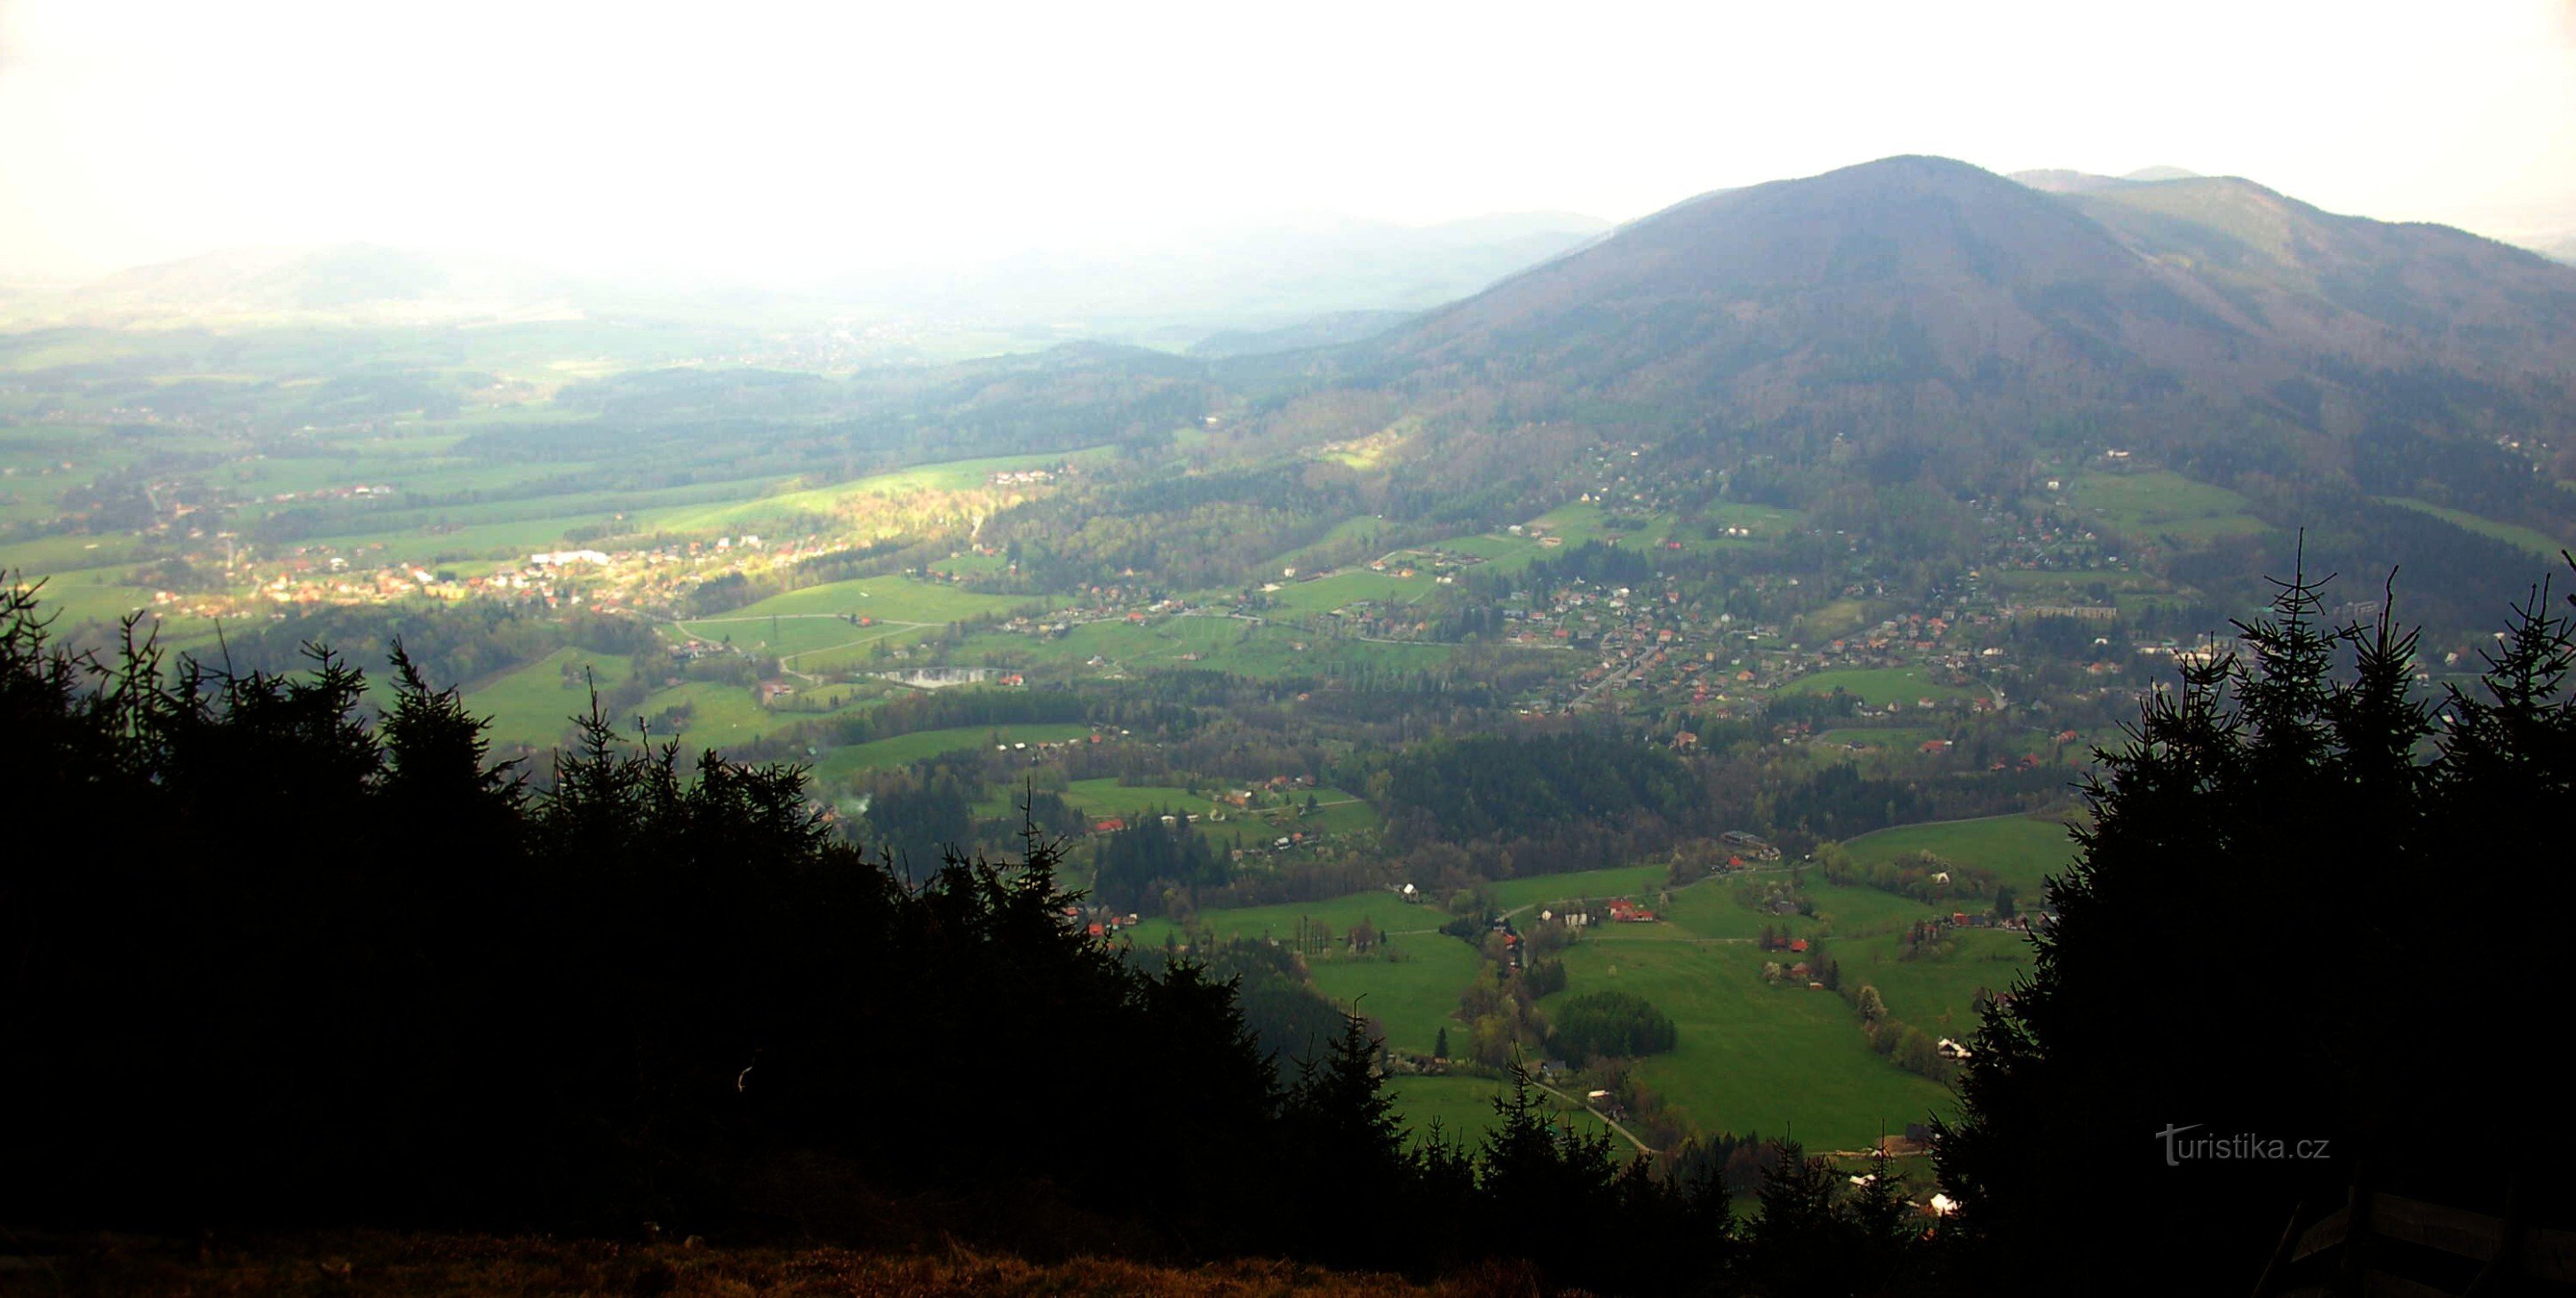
x=307, y=967
x=2255, y=988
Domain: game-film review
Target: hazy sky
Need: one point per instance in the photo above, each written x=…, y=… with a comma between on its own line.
x=765, y=139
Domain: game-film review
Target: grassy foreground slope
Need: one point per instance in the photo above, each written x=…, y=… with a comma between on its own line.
x=397, y=1264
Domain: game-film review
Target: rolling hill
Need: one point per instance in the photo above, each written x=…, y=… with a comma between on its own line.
x=2221, y=327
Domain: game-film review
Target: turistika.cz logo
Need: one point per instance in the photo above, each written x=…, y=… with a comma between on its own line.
x=2241, y=1147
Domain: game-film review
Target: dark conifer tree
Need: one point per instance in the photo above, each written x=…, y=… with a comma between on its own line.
x=2251, y=948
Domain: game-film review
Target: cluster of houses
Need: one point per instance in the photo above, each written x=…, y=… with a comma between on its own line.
x=1098, y=921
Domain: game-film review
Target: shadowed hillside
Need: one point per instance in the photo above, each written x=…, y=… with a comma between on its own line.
x=1923, y=315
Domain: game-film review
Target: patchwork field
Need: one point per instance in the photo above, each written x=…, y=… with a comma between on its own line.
x=1753, y=1057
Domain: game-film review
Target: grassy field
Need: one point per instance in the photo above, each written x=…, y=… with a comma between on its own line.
x=1464, y=1109
x=1709, y=910
x=1418, y=923
x=2539, y=543
x=1937, y=996
x=1753, y=1057
x=2148, y=506
x=722, y=715
x=886, y=599
x=77, y=595
x=2021, y=849
x=1618, y=881
x=786, y=635
x=533, y=706
x=1704, y=532
x=1411, y=995
x=865, y=653
x=1852, y=909
x=1878, y=686
x=1839, y=617
x=41, y=555
x=1360, y=532
x=1352, y=585
x=1336, y=812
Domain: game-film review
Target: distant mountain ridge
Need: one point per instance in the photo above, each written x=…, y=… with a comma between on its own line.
x=2057, y=180
x=1926, y=303
x=1950, y=285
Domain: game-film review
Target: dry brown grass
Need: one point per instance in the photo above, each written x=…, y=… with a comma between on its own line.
x=413, y=1264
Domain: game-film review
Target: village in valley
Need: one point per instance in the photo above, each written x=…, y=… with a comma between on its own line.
x=1233, y=762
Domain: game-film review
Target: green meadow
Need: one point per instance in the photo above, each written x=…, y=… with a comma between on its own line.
x=1352, y=585
x=1463, y=1109
x=532, y=706
x=2152, y=505
x=2541, y=544
x=1410, y=987
x=1415, y=922
x=786, y=635
x=1752, y=1056
x=1938, y=996
x=2023, y=850
x=1617, y=881
x=886, y=599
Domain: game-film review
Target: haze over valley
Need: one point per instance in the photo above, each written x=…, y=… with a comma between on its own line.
x=1129, y=699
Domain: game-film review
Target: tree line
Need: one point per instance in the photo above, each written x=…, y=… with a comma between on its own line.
x=317, y=968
